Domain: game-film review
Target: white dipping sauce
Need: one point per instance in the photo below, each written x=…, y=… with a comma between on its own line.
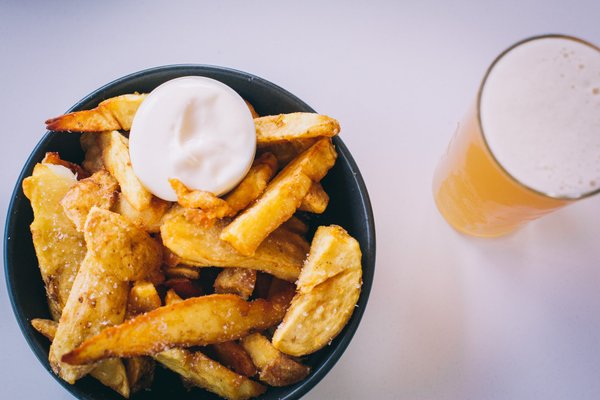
x=195, y=129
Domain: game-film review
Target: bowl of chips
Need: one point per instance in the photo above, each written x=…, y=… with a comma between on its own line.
x=128, y=290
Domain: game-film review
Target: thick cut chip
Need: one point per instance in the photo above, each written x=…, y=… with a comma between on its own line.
x=109, y=372
x=197, y=244
x=181, y=271
x=111, y=114
x=316, y=200
x=184, y=287
x=198, y=321
x=286, y=151
x=149, y=219
x=281, y=198
x=59, y=247
x=254, y=183
x=328, y=289
x=54, y=158
x=99, y=190
x=238, y=281
x=213, y=206
x=295, y=225
x=172, y=297
x=201, y=371
x=97, y=300
x=233, y=356
x=126, y=251
x=93, y=152
x=299, y=125
x=276, y=368
x=115, y=156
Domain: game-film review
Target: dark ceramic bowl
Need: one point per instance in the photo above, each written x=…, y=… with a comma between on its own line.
x=349, y=207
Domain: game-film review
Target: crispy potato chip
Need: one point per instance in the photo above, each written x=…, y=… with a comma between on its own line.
x=316, y=200
x=212, y=205
x=233, y=356
x=99, y=190
x=253, y=184
x=181, y=271
x=210, y=375
x=93, y=153
x=109, y=372
x=276, y=368
x=197, y=321
x=54, y=158
x=281, y=198
x=299, y=125
x=286, y=151
x=328, y=289
x=149, y=219
x=171, y=297
x=115, y=156
x=238, y=281
x=96, y=300
x=111, y=114
x=295, y=225
x=184, y=287
x=59, y=247
x=281, y=254
x=126, y=251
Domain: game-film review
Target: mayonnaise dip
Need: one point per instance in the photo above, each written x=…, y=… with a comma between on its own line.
x=195, y=129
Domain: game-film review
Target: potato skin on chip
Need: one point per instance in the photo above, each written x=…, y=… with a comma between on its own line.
x=294, y=126
x=328, y=289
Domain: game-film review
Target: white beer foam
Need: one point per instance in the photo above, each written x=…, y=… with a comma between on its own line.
x=540, y=113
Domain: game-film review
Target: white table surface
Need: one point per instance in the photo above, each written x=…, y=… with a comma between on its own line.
x=449, y=317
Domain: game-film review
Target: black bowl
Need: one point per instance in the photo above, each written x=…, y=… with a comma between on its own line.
x=349, y=207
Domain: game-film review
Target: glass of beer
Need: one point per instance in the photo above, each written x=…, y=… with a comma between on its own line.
x=530, y=143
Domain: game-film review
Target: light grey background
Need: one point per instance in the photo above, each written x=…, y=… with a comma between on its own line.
x=449, y=317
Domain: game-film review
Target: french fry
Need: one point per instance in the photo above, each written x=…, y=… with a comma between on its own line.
x=238, y=281
x=316, y=200
x=299, y=125
x=96, y=300
x=99, y=190
x=93, y=152
x=282, y=254
x=276, y=368
x=59, y=247
x=201, y=371
x=143, y=297
x=54, y=158
x=149, y=219
x=184, y=287
x=172, y=297
x=212, y=205
x=197, y=321
x=328, y=289
x=281, y=198
x=111, y=114
x=115, y=156
x=182, y=271
x=126, y=251
x=253, y=184
x=286, y=151
x=109, y=372
x=233, y=356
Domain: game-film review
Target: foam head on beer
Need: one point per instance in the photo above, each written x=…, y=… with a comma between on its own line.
x=540, y=114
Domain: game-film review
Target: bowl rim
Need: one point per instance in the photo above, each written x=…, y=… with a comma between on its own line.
x=369, y=253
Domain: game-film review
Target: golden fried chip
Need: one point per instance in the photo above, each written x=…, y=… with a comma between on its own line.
x=115, y=156
x=276, y=368
x=286, y=151
x=299, y=125
x=233, y=356
x=253, y=184
x=197, y=244
x=59, y=247
x=281, y=198
x=109, y=372
x=212, y=205
x=295, y=225
x=181, y=271
x=54, y=158
x=111, y=114
x=149, y=219
x=328, y=289
x=197, y=321
x=201, y=371
x=316, y=200
x=238, y=281
x=93, y=152
x=99, y=190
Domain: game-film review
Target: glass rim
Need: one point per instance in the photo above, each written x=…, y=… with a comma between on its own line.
x=480, y=125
